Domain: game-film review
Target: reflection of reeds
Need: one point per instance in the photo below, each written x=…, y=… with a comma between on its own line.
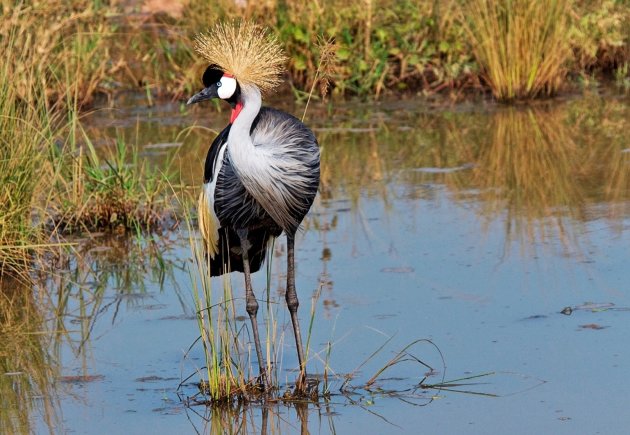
x=618, y=185
x=27, y=369
x=354, y=162
x=272, y=418
x=62, y=310
x=601, y=126
x=527, y=170
x=539, y=168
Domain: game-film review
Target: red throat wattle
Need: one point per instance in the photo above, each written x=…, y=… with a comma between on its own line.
x=237, y=109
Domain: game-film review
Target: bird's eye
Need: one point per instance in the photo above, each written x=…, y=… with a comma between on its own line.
x=219, y=84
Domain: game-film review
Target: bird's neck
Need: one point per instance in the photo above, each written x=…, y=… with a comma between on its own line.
x=248, y=161
x=244, y=113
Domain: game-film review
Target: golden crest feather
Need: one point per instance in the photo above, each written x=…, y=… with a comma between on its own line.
x=244, y=50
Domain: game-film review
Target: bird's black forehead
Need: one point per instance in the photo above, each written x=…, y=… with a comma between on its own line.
x=212, y=75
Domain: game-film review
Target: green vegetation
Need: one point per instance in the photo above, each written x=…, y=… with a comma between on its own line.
x=25, y=130
x=117, y=191
x=518, y=49
x=224, y=371
x=513, y=48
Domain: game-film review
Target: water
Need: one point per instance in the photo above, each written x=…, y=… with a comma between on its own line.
x=472, y=226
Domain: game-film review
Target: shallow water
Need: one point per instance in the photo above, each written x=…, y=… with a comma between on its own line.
x=472, y=226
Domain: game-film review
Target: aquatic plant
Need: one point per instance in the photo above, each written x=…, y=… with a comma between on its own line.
x=228, y=376
x=227, y=367
x=118, y=190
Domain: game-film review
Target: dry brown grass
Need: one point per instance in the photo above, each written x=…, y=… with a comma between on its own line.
x=521, y=46
x=59, y=45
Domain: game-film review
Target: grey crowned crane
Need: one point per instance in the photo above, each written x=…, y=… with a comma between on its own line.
x=261, y=172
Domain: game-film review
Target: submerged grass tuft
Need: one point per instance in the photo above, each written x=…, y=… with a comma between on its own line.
x=227, y=372
x=228, y=376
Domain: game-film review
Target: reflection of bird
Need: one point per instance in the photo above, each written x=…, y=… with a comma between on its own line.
x=262, y=171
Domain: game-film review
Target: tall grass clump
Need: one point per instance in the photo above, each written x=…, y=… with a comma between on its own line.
x=228, y=376
x=50, y=66
x=25, y=127
x=521, y=46
x=41, y=42
x=56, y=58
x=55, y=36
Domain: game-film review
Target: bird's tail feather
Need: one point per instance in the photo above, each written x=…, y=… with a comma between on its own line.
x=229, y=256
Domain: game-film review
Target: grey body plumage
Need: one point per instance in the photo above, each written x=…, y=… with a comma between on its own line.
x=235, y=207
x=291, y=140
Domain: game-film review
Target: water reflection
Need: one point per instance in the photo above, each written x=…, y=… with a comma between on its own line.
x=28, y=370
x=532, y=162
x=46, y=325
x=544, y=170
x=526, y=173
x=267, y=419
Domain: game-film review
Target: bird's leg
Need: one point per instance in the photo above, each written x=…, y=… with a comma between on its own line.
x=293, y=303
x=251, y=303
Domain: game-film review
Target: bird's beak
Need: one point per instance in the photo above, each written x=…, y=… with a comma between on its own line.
x=206, y=94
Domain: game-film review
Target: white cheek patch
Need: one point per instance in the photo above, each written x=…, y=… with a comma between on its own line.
x=227, y=88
